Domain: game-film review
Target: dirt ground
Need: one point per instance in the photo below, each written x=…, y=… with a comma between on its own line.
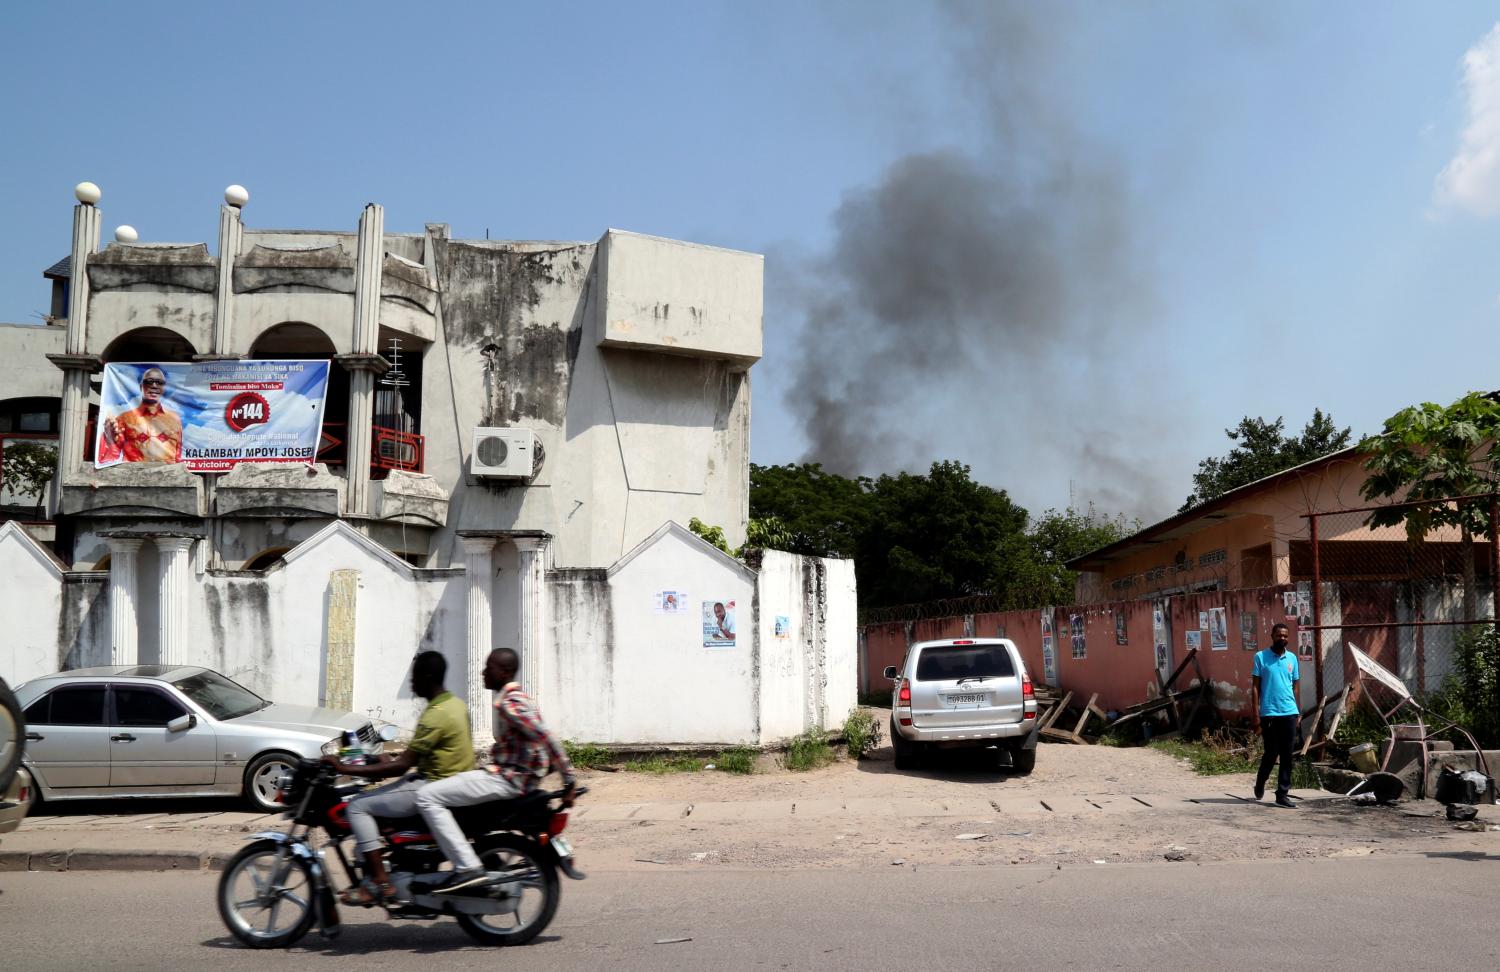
x=1146, y=795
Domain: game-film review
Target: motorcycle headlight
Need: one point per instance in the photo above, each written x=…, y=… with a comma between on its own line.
x=331, y=747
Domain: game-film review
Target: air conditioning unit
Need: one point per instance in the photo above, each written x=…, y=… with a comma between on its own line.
x=503, y=453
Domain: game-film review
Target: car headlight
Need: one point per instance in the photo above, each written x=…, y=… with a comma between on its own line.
x=331, y=747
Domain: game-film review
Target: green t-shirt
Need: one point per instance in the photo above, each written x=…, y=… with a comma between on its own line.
x=442, y=742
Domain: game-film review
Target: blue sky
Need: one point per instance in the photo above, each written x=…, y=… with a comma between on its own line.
x=1278, y=169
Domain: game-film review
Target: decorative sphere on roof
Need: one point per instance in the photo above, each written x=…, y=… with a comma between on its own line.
x=126, y=234
x=237, y=196
x=87, y=193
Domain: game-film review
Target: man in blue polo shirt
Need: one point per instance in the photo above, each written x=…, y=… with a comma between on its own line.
x=1277, y=714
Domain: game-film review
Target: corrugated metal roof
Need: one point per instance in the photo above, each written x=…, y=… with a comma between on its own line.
x=61, y=270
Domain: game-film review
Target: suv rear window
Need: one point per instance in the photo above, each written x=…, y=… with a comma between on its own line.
x=944, y=662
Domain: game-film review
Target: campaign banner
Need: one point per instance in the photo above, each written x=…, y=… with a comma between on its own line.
x=210, y=415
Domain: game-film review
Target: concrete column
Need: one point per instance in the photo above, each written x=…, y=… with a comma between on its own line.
x=230, y=231
x=366, y=334
x=76, y=367
x=174, y=587
x=479, y=572
x=533, y=648
x=123, y=631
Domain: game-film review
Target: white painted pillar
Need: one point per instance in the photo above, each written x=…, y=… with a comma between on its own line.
x=123, y=632
x=479, y=572
x=533, y=648
x=363, y=340
x=75, y=362
x=230, y=232
x=174, y=587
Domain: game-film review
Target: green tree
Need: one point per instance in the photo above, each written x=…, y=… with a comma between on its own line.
x=712, y=534
x=28, y=468
x=1262, y=449
x=1428, y=452
x=935, y=536
x=1037, y=573
x=820, y=514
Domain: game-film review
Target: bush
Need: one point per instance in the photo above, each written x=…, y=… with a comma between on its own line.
x=809, y=751
x=740, y=759
x=661, y=765
x=861, y=733
x=586, y=755
x=1229, y=751
x=1469, y=692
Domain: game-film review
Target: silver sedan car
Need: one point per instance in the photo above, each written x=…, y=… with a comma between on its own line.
x=159, y=731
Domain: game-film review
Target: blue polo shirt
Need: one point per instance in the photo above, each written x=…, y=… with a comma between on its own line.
x=1278, y=682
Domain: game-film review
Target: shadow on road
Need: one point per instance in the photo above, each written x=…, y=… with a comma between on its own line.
x=438, y=937
x=985, y=767
x=94, y=808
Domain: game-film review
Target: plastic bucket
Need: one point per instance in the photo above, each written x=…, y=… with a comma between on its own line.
x=1363, y=757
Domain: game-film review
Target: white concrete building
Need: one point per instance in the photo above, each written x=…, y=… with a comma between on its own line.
x=623, y=364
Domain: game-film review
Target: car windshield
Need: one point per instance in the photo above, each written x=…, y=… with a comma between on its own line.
x=948, y=662
x=222, y=698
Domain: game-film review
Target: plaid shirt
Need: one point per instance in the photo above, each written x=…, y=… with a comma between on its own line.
x=524, y=751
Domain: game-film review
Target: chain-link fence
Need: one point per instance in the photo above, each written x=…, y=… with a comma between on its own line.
x=1421, y=601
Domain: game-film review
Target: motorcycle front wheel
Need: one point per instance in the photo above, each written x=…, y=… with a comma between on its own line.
x=266, y=896
x=532, y=873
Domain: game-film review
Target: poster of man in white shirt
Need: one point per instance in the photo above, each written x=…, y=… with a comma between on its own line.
x=718, y=624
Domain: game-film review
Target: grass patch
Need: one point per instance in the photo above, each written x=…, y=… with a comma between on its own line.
x=861, y=733
x=740, y=759
x=662, y=765
x=809, y=751
x=1226, y=752
x=586, y=755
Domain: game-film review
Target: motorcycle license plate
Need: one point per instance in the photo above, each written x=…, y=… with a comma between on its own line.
x=564, y=849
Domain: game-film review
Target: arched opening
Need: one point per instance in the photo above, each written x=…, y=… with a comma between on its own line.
x=296, y=341
x=28, y=456
x=266, y=558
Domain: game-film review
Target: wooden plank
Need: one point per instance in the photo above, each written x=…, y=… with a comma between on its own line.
x=1056, y=711
x=1062, y=735
x=1083, y=719
x=1317, y=723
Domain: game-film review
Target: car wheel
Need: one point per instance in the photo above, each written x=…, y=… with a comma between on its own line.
x=1023, y=761
x=263, y=779
x=12, y=733
x=906, y=753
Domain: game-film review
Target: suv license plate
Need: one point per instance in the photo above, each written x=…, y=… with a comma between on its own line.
x=956, y=700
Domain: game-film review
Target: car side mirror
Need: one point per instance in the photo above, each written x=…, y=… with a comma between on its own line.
x=890, y=672
x=182, y=723
x=388, y=733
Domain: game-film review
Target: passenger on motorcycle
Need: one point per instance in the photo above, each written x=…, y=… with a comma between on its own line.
x=523, y=754
x=440, y=748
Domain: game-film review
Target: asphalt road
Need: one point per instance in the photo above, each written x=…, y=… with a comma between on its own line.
x=1389, y=912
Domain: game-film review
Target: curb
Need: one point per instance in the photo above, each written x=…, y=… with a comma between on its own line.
x=96, y=859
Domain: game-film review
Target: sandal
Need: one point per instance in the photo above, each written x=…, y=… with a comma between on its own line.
x=368, y=894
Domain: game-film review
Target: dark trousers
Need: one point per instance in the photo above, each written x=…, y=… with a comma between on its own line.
x=1278, y=734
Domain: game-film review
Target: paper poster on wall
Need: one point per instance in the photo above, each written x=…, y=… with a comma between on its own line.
x=1080, y=645
x=1049, y=660
x=672, y=602
x=1159, y=637
x=1305, y=643
x=1121, y=636
x=210, y=415
x=1248, y=629
x=783, y=627
x=1289, y=604
x=1194, y=640
x=1218, y=628
x=718, y=624
x=1203, y=620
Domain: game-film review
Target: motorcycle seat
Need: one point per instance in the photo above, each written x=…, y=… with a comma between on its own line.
x=476, y=818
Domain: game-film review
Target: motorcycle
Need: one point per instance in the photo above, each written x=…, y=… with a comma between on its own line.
x=274, y=890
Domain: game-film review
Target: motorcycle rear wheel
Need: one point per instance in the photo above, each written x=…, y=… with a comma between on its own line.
x=523, y=859
x=256, y=886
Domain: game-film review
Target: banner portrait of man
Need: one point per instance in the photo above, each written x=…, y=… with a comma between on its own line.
x=150, y=431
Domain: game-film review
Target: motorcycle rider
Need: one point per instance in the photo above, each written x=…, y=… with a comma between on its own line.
x=440, y=748
x=523, y=754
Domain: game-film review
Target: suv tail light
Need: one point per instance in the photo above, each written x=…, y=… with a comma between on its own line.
x=1027, y=692
x=903, y=701
x=903, y=697
x=1028, y=698
x=965, y=641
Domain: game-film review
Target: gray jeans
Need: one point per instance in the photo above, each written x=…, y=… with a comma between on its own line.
x=460, y=790
x=398, y=799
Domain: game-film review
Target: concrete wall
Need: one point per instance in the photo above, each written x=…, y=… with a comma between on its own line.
x=808, y=644
x=25, y=371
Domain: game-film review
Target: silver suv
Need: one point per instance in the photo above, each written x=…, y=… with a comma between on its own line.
x=964, y=693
